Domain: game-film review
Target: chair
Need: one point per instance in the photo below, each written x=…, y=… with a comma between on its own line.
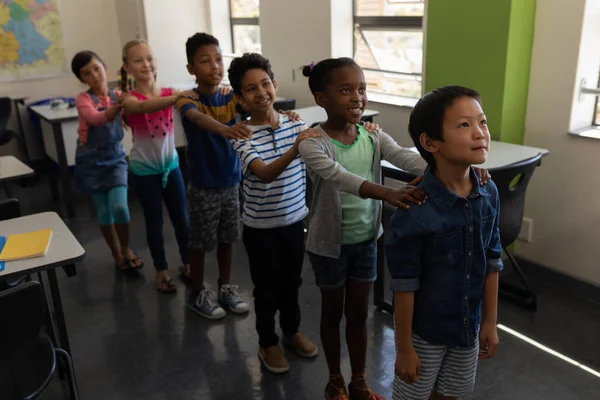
x=28, y=360
x=10, y=209
x=7, y=135
x=512, y=184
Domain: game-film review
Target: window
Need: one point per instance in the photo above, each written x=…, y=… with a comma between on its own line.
x=245, y=29
x=596, y=120
x=388, y=45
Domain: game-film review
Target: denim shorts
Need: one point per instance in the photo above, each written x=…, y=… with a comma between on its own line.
x=357, y=262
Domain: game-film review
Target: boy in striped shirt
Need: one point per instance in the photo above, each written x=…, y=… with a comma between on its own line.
x=274, y=189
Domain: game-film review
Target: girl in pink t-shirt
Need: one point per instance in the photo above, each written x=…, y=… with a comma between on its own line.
x=153, y=162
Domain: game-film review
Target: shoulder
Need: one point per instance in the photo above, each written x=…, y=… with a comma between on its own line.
x=83, y=97
x=407, y=222
x=186, y=102
x=492, y=189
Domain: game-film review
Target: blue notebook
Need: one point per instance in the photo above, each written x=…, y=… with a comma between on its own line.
x=2, y=242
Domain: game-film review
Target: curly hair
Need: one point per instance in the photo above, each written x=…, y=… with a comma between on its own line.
x=240, y=65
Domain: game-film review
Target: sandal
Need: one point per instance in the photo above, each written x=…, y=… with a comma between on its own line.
x=342, y=394
x=366, y=393
x=166, y=285
x=131, y=262
x=184, y=275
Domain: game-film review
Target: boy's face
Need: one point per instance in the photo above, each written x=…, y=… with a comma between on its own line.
x=346, y=95
x=207, y=65
x=258, y=91
x=465, y=132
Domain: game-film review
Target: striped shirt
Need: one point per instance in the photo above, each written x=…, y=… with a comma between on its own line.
x=283, y=201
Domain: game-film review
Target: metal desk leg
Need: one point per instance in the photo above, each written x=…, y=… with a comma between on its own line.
x=50, y=321
x=61, y=326
x=68, y=192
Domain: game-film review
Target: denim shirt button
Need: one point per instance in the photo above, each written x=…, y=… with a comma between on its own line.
x=467, y=205
x=465, y=319
x=470, y=229
x=468, y=276
x=470, y=253
x=466, y=297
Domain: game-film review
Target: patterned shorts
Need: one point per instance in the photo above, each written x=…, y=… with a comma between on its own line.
x=450, y=372
x=214, y=217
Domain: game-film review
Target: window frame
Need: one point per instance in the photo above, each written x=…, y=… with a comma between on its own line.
x=385, y=23
x=245, y=21
x=595, y=121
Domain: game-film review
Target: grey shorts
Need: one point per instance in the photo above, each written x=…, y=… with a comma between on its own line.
x=450, y=372
x=214, y=216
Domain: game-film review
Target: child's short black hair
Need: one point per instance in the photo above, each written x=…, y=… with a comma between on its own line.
x=240, y=65
x=320, y=73
x=428, y=115
x=82, y=59
x=195, y=42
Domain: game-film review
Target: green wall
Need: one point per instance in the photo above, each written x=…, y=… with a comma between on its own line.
x=485, y=45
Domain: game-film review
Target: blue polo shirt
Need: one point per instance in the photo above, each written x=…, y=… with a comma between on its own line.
x=212, y=162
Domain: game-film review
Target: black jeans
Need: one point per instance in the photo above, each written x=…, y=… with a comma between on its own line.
x=275, y=257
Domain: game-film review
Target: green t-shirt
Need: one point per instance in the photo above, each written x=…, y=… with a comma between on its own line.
x=357, y=213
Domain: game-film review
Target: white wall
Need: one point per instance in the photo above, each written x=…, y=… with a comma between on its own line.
x=564, y=193
x=292, y=41
x=169, y=25
x=89, y=25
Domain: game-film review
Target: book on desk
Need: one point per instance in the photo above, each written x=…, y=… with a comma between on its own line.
x=25, y=245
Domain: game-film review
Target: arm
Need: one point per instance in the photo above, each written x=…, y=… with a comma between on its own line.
x=269, y=172
x=133, y=105
x=405, y=159
x=207, y=123
x=488, y=334
x=404, y=263
x=87, y=110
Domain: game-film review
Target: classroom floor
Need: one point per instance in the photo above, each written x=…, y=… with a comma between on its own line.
x=131, y=342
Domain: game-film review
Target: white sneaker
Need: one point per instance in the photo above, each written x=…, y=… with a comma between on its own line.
x=230, y=299
x=202, y=304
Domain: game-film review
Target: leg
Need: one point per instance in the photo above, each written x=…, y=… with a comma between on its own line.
x=431, y=357
x=149, y=192
x=107, y=226
x=330, y=276
x=261, y=246
x=228, y=231
x=117, y=203
x=362, y=272
x=291, y=257
x=457, y=373
x=174, y=196
x=205, y=211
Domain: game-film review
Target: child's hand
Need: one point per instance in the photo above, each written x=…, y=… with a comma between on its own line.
x=238, y=131
x=483, y=175
x=488, y=340
x=408, y=365
x=224, y=90
x=121, y=99
x=293, y=116
x=306, y=134
x=188, y=94
x=410, y=193
x=371, y=127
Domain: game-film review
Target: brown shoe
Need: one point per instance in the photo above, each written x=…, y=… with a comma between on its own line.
x=302, y=345
x=273, y=360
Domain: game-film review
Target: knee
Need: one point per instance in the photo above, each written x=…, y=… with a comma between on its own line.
x=120, y=212
x=105, y=217
x=356, y=315
x=332, y=316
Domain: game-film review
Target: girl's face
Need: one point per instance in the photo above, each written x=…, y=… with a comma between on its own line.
x=345, y=96
x=94, y=74
x=140, y=63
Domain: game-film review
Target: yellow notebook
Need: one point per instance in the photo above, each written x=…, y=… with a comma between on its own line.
x=26, y=245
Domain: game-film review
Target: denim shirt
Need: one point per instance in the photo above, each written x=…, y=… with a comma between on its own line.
x=442, y=251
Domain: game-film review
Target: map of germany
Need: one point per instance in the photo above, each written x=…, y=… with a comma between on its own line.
x=31, y=42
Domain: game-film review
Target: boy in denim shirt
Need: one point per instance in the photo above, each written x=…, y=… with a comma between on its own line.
x=444, y=256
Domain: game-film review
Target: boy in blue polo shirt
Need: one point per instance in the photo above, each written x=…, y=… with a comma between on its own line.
x=213, y=174
x=445, y=256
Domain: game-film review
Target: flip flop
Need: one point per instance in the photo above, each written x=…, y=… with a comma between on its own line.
x=183, y=274
x=131, y=261
x=166, y=285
